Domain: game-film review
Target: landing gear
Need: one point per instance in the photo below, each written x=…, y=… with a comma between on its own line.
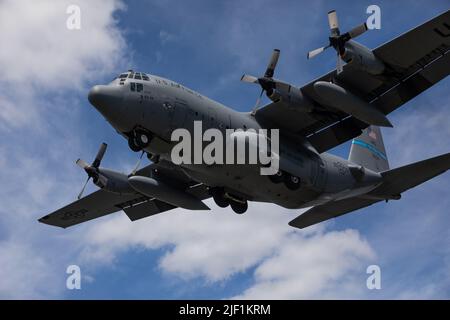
x=153, y=157
x=277, y=177
x=133, y=144
x=138, y=140
x=239, y=207
x=223, y=200
x=219, y=197
x=142, y=139
x=292, y=182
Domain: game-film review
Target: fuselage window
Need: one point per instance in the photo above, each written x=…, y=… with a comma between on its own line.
x=133, y=86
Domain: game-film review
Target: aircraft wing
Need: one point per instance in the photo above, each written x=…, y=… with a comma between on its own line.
x=330, y=210
x=137, y=206
x=415, y=61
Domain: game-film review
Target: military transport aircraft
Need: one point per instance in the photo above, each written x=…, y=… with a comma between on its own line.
x=351, y=102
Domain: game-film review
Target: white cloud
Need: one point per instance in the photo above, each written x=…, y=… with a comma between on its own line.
x=220, y=244
x=45, y=66
x=24, y=273
x=321, y=266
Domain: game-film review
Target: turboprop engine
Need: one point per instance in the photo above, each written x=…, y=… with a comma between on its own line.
x=349, y=50
x=106, y=179
x=362, y=58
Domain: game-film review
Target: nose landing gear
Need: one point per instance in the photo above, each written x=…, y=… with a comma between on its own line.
x=138, y=140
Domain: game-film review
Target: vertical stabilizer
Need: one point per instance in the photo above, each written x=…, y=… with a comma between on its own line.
x=368, y=150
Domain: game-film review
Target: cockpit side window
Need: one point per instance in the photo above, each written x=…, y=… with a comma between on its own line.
x=138, y=76
x=123, y=76
x=131, y=75
x=145, y=77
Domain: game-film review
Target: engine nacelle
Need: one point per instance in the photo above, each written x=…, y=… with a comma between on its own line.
x=291, y=96
x=113, y=181
x=362, y=58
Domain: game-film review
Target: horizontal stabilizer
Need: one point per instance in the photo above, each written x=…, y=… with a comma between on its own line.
x=404, y=178
x=330, y=210
x=395, y=182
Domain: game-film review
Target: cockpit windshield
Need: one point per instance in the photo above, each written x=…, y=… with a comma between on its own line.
x=131, y=75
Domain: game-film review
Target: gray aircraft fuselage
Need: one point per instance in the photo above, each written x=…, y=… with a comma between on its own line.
x=159, y=106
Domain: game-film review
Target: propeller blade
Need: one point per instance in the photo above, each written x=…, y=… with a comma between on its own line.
x=339, y=64
x=272, y=64
x=357, y=31
x=315, y=52
x=249, y=78
x=333, y=23
x=81, y=163
x=258, y=101
x=136, y=167
x=84, y=187
x=100, y=154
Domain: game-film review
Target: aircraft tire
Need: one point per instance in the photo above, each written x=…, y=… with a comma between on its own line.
x=133, y=145
x=142, y=139
x=238, y=207
x=292, y=182
x=277, y=177
x=221, y=201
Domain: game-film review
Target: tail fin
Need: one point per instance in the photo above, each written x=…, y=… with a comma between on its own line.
x=368, y=150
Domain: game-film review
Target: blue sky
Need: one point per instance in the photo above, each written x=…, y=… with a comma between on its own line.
x=46, y=123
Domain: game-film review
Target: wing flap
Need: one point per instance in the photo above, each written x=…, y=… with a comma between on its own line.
x=146, y=209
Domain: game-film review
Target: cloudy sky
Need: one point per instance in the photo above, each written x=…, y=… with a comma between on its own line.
x=46, y=123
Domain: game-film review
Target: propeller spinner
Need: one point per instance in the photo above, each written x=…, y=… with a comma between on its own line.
x=92, y=169
x=338, y=40
x=266, y=81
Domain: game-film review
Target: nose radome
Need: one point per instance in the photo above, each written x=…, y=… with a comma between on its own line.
x=97, y=96
x=105, y=98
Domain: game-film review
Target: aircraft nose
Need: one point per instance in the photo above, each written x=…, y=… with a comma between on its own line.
x=98, y=96
x=105, y=98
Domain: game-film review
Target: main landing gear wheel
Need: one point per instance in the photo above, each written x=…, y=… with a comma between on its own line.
x=219, y=198
x=292, y=182
x=221, y=201
x=277, y=177
x=239, y=207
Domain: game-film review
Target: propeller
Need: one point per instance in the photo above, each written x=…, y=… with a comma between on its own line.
x=338, y=40
x=92, y=169
x=266, y=81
